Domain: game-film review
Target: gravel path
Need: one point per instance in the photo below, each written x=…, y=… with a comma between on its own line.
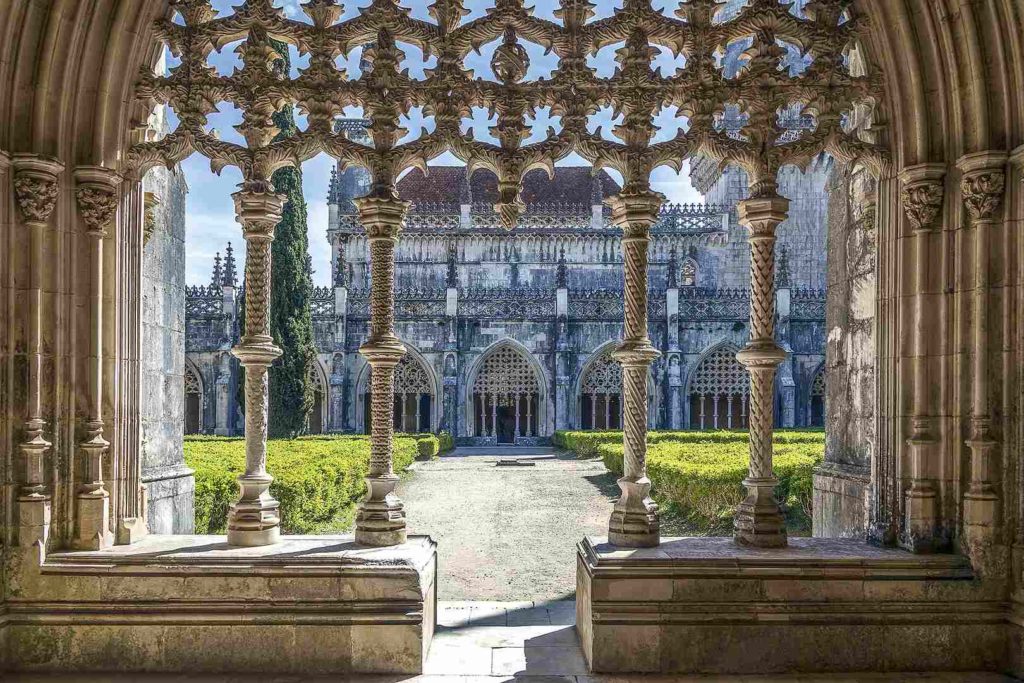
x=508, y=532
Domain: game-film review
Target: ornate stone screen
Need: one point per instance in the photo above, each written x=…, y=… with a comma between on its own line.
x=601, y=395
x=414, y=397
x=506, y=395
x=718, y=392
x=796, y=66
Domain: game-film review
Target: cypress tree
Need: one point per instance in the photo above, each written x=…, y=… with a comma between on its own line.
x=291, y=321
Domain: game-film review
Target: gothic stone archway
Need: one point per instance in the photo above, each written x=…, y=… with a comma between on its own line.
x=505, y=398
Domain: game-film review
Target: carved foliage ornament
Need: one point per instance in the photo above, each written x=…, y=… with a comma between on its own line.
x=983, y=193
x=97, y=206
x=922, y=201
x=826, y=91
x=36, y=195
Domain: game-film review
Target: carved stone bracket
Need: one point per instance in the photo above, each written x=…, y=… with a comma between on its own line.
x=922, y=194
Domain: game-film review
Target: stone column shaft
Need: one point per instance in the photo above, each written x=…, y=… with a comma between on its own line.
x=36, y=191
x=380, y=519
x=634, y=521
x=97, y=204
x=922, y=199
x=982, y=186
x=254, y=519
x=759, y=520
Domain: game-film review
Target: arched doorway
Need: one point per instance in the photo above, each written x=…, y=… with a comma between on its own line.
x=718, y=391
x=601, y=394
x=193, y=400
x=414, y=397
x=816, y=417
x=506, y=397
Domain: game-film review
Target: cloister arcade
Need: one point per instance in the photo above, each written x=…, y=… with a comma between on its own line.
x=922, y=101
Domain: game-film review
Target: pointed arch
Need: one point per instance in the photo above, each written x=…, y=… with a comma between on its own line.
x=194, y=396
x=579, y=410
x=717, y=389
x=317, y=421
x=507, y=395
x=417, y=387
x=816, y=398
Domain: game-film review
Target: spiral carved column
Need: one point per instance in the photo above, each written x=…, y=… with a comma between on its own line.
x=982, y=186
x=634, y=521
x=922, y=198
x=759, y=520
x=97, y=204
x=380, y=519
x=36, y=191
x=254, y=519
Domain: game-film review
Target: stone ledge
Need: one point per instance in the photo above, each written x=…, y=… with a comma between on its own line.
x=310, y=604
x=706, y=605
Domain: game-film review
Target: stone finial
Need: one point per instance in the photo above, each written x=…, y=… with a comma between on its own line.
x=465, y=191
x=672, y=281
x=218, y=272
x=35, y=185
x=596, y=190
x=230, y=277
x=782, y=267
x=452, y=277
x=333, y=189
x=562, y=272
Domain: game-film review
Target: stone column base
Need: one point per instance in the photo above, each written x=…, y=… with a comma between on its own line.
x=191, y=604
x=709, y=606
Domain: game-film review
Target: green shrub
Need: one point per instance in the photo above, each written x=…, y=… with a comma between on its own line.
x=445, y=442
x=701, y=472
x=428, y=446
x=317, y=479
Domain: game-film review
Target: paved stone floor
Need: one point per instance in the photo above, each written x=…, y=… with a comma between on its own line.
x=508, y=531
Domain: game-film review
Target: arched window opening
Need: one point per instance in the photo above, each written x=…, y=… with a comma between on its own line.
x=718, y=392
x=817, y=400
x=506, y=396
x=414, y=397
x=193, y=402
x=601, y=395
x=315, y=422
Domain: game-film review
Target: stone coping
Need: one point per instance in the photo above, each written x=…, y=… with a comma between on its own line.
x=205, y=554
x=804, y=557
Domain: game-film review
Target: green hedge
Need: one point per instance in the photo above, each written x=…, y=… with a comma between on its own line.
x=317, y=479
x=701, y=472
x=445, y=442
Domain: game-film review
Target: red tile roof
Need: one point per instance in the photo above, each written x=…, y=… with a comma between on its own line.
x=444, y=184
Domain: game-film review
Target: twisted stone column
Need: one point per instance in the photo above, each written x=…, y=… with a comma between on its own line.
x=36, y=191
x=254, y=519
x=982, y=186
x=759, y=520
x=380, y=519
x=634, y=521
x=922, y=198
x=97, y=204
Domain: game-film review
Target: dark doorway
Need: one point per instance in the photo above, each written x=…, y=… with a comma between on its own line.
x=506, y=431
x=193, y=406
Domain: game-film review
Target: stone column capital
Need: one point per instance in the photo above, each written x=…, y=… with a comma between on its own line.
x=635, y=212
x=382, y=217
x=922, y=194
x=35, y=185
x=761, y=215
x=97, y=196
x=259, y=212
x=983, y=183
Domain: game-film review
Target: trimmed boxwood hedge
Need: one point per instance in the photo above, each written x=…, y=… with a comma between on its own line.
x=701, y=472
x=317, y=479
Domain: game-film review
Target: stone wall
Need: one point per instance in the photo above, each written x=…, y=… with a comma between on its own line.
x=170, y=485
x=841, y=483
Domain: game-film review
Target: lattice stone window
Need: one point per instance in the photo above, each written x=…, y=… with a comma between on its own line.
x=718, y=392
x=601, y=395
x=506, y=396
x=193, y=401
x=414, y=396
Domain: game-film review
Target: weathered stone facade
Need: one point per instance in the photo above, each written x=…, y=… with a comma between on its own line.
x=551, y=291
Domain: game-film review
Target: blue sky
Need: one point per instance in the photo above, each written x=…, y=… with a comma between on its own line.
x=210, y=222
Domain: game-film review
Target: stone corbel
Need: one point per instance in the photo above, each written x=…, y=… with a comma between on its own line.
x=36, y=189
x=922, y=197
x=97, y=195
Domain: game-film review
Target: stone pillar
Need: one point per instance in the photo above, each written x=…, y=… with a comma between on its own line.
x=982, y=186
x=36, y=191
x=97, y=204
x=634, y=520
x=380, y=519
x=758, y=519
x=254, y=519
x=922, y=198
